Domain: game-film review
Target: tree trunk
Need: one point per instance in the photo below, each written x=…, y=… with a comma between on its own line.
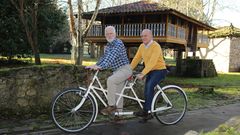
x=35, y=33
x=82, y=34
x=32, y=36
x=78, y=35
x=80, y=43
x=208, y=50
x=73, y=33
x=85, y=32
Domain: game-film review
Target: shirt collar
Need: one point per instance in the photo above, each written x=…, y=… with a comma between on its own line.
x=113, y=42
x=146, y=46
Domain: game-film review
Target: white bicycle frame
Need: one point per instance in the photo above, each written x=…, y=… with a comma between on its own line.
x=92, y=90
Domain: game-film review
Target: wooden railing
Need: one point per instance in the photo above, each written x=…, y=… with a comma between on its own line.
x=203, y=38
x=136, y=29
x=181, y=33
x=158, y=29
x=171, y=30
x=174, y=31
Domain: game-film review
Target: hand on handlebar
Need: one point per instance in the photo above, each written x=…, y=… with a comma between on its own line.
x=93, y=67
x=140, y=76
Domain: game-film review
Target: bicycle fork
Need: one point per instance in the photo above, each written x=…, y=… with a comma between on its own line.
x=86, y=94
x=165, y=98
x=81, y=103
x=84, y=99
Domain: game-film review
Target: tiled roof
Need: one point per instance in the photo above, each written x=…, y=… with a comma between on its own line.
x=143, y=7
x=227, y=31
x=136, y=7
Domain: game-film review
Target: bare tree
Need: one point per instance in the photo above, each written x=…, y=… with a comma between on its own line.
x=227, y=32
x=207, y=50
x=203, y=10
x=79, y=33
x=30, y=25
x=193, y=8
x=73, y=31
x=210, y=7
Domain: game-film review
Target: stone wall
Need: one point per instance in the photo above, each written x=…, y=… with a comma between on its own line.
x=192, y=67
x=234, y=63
x=226, y=55
x=25, y=92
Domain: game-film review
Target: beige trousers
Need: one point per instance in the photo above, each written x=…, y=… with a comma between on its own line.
x=115, y=84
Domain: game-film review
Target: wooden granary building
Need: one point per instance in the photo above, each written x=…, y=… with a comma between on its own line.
x=170, y=28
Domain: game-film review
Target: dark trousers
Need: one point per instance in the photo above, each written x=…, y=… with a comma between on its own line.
x=152, y=79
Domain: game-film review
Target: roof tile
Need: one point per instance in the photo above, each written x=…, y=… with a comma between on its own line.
x=136, y=7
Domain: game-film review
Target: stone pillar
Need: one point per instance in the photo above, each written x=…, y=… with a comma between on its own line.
x=101, y=51
x=194, y=42
x=92, y=50
x=179, y=62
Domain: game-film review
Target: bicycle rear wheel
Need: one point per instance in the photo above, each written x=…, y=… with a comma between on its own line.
x=68, y=120
x=179, y=105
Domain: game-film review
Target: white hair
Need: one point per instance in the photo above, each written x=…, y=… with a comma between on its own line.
x=110, y=28
x=148, y=31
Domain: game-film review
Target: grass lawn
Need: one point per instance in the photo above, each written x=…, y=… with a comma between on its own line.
x=56, y=59
x=220, y=97
x=222, y=80
x=64, y=59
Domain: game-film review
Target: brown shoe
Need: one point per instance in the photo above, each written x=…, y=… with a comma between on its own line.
x=117, y=120
x=109, y=110
x=140, y=113
x=146, y=118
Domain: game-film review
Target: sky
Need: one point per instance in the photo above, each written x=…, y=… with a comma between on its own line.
x=231, y=14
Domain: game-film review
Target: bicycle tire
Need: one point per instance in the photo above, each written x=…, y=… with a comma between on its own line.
x=179, y=106
x=69, y=121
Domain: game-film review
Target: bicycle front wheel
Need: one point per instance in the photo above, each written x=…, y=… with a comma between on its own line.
x=62, y=110
x=174, y=113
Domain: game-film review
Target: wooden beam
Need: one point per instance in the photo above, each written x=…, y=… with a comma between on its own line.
x=122, y=24
x=166, y=29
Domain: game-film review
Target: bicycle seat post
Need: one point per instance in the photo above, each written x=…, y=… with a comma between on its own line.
x=88, y=78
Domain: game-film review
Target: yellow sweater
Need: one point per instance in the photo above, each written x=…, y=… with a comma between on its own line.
x=152, y=58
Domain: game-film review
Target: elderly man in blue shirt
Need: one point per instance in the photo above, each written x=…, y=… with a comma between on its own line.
x=115, y=58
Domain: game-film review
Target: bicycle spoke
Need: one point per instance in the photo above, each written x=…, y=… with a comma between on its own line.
x=176, y=112
x=74, y=121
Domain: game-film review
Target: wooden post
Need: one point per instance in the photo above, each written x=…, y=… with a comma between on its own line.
x=166, y=29
x=103, y=24
x=177, y=28
x=92, y=50
x=122, y=26
x=128, y=52
x=186, y=51
x=195, y=38
x=101, y=50
x=179, y=62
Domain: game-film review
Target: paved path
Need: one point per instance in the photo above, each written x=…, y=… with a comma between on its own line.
x=198, y=120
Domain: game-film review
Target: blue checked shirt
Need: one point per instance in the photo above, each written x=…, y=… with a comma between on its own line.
x=114, y=56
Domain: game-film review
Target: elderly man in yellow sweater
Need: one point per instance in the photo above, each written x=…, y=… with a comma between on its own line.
x=155, y=70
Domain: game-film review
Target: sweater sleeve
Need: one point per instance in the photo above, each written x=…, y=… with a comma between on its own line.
x=137, y=58
x=152, y=61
